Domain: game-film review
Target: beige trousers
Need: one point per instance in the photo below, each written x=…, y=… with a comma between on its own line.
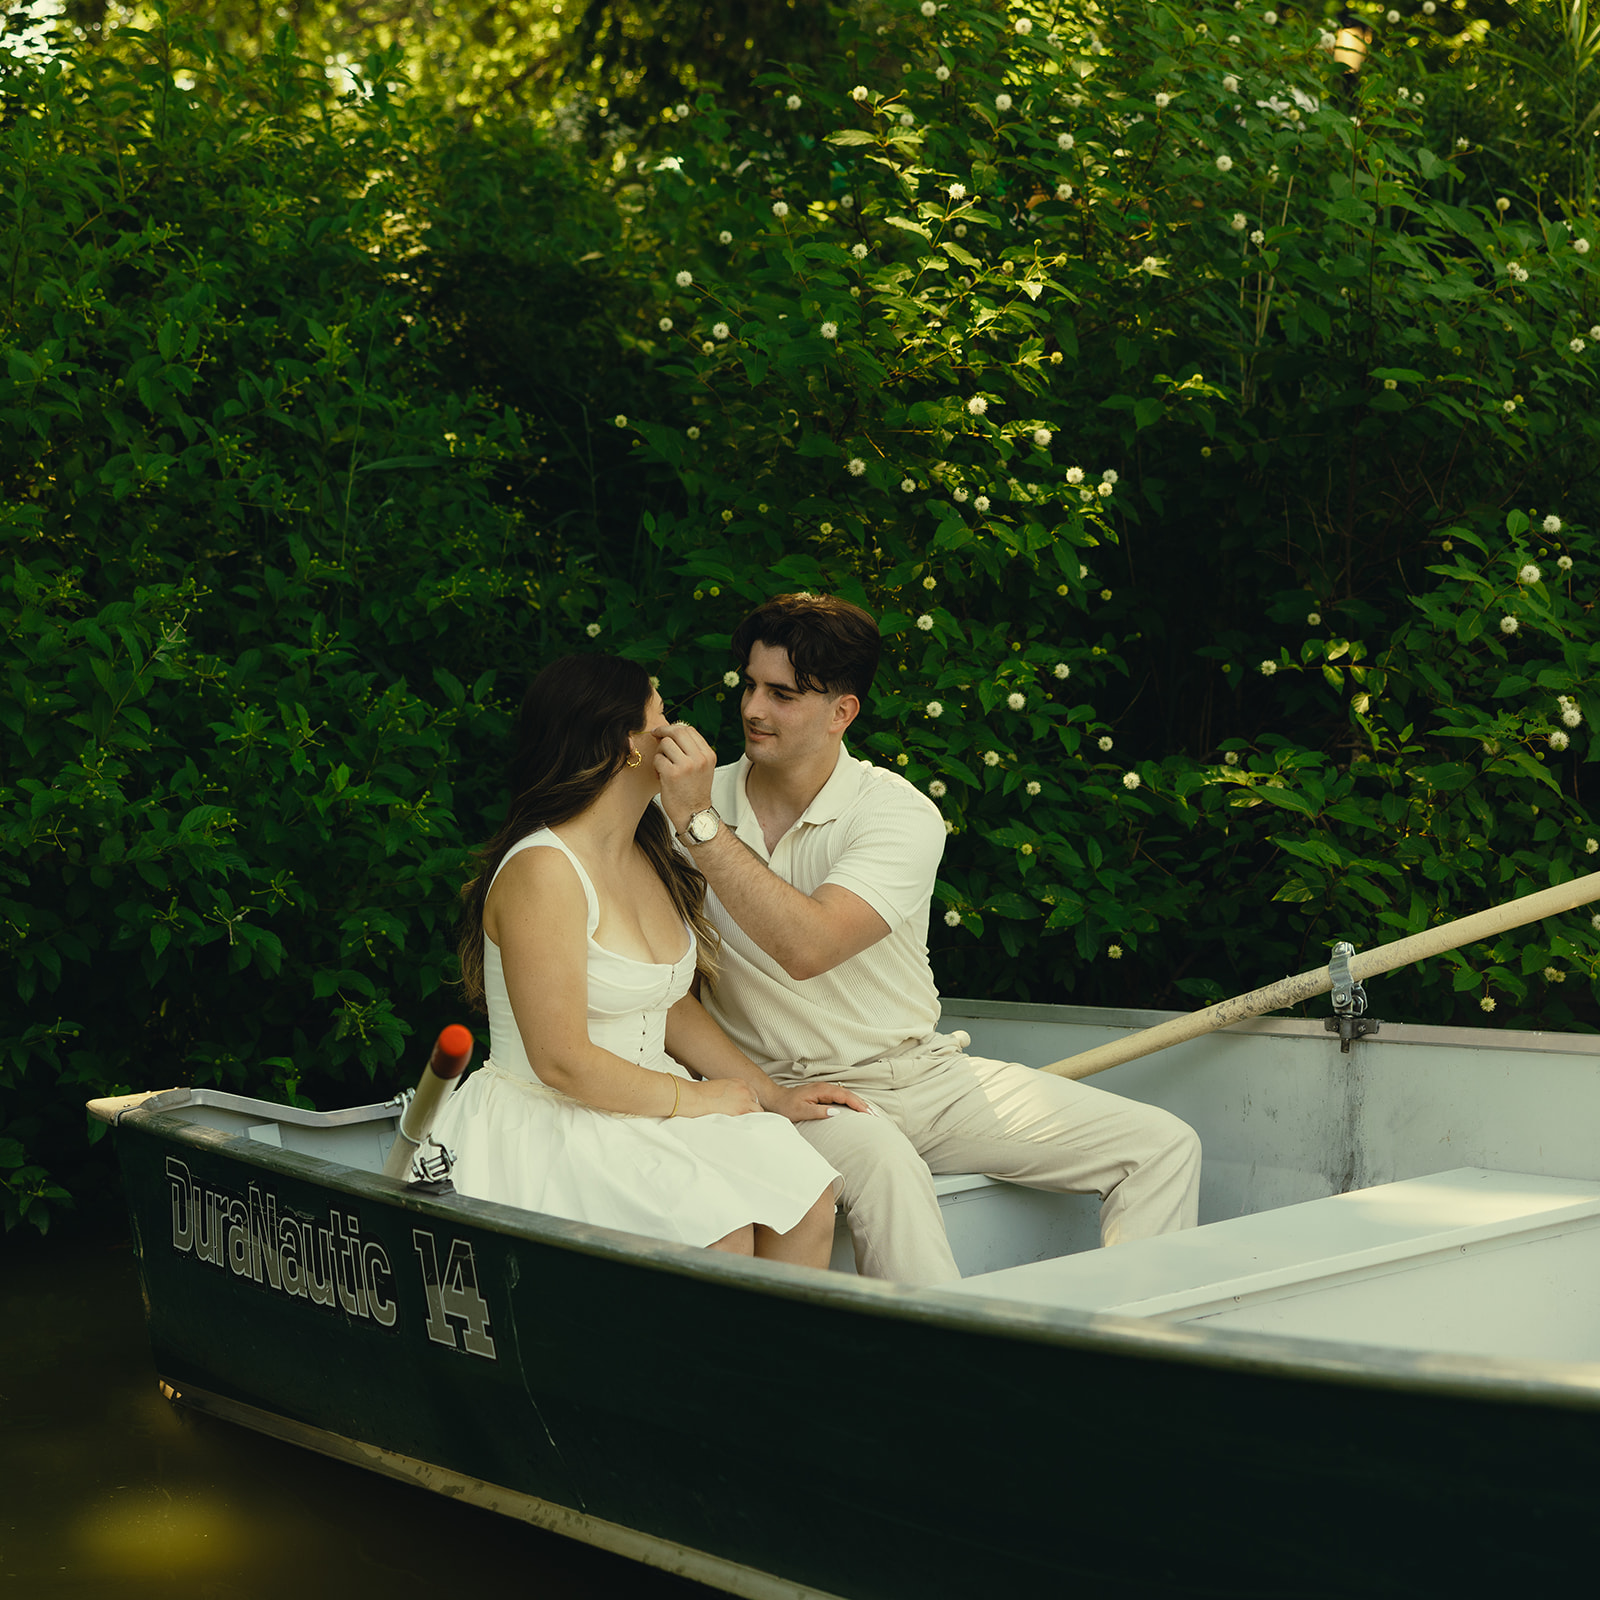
x=941, y=1110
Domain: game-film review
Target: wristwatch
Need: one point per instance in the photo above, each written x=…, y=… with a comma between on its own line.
x=702, y=827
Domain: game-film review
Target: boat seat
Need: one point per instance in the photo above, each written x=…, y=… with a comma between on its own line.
x=993, y=1224
x=1470, y=1259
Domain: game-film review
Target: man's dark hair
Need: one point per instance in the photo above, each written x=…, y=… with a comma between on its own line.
x=833, y=646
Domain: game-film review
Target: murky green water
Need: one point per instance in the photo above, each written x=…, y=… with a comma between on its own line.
x=112, y=1493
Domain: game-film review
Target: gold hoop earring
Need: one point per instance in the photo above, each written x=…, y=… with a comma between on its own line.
x=634, y=757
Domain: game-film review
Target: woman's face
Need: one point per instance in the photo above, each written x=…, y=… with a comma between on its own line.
x=655, y=713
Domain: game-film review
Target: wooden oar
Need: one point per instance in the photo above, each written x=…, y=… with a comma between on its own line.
x=1368, y=964
x=451, y=1054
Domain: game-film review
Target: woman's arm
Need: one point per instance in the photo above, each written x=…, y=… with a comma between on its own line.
x=695, y=1040
x=537, y=915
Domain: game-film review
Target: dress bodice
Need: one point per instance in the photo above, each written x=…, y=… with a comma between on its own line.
x=628, y=999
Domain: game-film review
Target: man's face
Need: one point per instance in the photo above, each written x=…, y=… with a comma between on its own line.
x=785, y=725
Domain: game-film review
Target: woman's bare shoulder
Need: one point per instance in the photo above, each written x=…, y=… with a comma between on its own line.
x=540, y=882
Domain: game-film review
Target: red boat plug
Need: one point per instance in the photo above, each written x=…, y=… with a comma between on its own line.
x=451, y=1053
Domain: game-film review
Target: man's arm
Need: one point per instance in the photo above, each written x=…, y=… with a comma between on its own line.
x=806, y=934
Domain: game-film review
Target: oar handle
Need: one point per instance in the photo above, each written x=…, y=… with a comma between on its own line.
x=1368, y=964
x=451, y=1053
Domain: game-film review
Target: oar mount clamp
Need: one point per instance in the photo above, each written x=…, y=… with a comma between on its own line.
x=1349, y=1019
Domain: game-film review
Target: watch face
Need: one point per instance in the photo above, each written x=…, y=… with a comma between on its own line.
x=703, y=826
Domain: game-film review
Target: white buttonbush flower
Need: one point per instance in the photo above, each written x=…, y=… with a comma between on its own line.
x=925, y=623
x=1258, y=237
x=1589, y=848
x=1326, y=40
x=1487, y=1003
x=719, y=330
x=1074, y=475
x=1110, y=476
x=958, y=191
x=1231, y=83
x=1528, y=574
x=977, y=405
x=1104, y=741
x=1559, y=740
x=1016, y=701
x=620, y=420
x=730, y=680
x=1268, y=667
x=937, y=789
x=1114, y=951
x=780, y=209
x=1024, y=26
x=859, y=93
x=907, y=120
x=1551, y=524
x=829, y=330
x=855, y=466
x=692, y=432
x=1509, y=624
x=1391, y=17
x=1163, y=101
x=1314, y=619
x=942, y=73
x=1240, y=222
x=1002, y=102
x=665, y=324
x=952, y=919
x=1131, y=781
x=859, y=251
x=981, y=503
x=1032, y=788
x=1062, y=670
x=1224, y=163
x=1572, y=716
x=1508, y=406
x=935, y=708
x=959, y=496
x=724, y=237
x=930, y=582
x=1042, y=437
x=1554, y=975
x=684, y=279
x=1063, y=192
x=1270, y=18
x=1502, y=205
x=1065, y=141
x=793, y=102
x=991, y=758
x=1105, y=490
x=1231, y=758
x=1576, y=346
x=1581, y=246
x=929, y=9
x=1564, y=562
x=1519, y=273
x=593, y=630
x=1594, y=332
x=908, y=485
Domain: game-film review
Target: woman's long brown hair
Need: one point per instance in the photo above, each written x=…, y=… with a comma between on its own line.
x=572, y=740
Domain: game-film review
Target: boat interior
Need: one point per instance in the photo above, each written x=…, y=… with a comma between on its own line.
x=1427, y=1189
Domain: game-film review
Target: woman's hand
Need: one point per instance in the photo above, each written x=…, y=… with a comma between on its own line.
x=727, y=1097
x=810, y=1102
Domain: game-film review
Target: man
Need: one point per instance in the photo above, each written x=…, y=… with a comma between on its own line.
x=821, y=870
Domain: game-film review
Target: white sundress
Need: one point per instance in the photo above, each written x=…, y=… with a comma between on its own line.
x=689, y=1179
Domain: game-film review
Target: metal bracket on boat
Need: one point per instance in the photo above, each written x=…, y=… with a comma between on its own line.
x=431, y=1165
x=1349, y=1019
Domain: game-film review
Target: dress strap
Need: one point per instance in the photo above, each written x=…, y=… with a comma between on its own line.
x=543, y=838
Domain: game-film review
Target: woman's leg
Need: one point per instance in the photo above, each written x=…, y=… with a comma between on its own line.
x=809, y=1243
x=741, y=1242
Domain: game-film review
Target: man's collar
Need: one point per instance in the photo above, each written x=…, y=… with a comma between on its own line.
x=828, y=802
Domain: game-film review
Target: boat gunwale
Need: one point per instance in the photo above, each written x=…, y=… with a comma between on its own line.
x=1132, y=1019
x=1495, y=1380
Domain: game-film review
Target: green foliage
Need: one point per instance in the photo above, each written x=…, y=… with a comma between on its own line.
x=261, y=567
x=1141, y=393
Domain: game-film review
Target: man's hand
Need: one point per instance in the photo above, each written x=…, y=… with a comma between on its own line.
x=810, y=1102
x=684, y=763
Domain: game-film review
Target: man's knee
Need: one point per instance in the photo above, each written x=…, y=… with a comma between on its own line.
x=869, y=1152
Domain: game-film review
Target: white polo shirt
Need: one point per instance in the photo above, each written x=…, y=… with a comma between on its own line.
x=870, y=832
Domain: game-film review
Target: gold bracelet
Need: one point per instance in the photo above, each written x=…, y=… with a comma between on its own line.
x=677, y=1084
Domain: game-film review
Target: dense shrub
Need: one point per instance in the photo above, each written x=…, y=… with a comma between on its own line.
x=1135, y=368
x=1221, y=471
x=266, y=548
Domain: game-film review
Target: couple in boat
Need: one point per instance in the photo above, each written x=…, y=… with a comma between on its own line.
x=808, y=1071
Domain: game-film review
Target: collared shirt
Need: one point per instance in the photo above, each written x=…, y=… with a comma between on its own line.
x=870, y=832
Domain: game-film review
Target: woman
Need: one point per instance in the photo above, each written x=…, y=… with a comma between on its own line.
x=581, y=937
